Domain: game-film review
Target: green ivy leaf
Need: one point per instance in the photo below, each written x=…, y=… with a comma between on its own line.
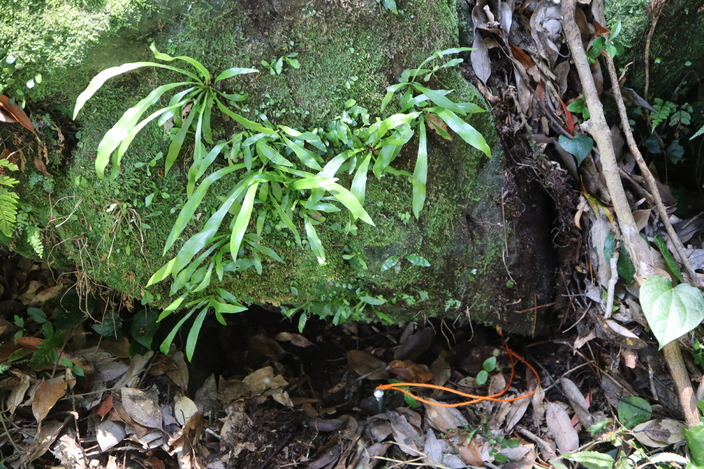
x=671, y=312
x=579, y=146
x=481, y=378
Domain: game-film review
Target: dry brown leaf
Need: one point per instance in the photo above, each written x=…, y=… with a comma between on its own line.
x=46, y=436
x=578, y=402
x=47, y=294
x=364, y=363
x=659, y=433
x=69, y=452
x=441, y=371
x=109, y=434
x=184, y=409
x=262, y=380
x=444, y=419
x=515, y=414
x=17, y=113
x=410, y=372
x=416, y=345
x=142, y=407
x=471, y=454
x=559, y=424
x=296, y=339
x=409, y=438
x=104, y=407
x=29, y=342
x=481, y=64
x=46, y=395
x=17, y=395
x=137, y=365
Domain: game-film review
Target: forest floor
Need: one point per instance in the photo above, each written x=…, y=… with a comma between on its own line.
x=259, y=394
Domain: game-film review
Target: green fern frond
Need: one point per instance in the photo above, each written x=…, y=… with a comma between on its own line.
x=8, y=208
x=35, y=240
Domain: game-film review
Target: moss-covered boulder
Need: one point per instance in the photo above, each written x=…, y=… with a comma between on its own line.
x=115, y=230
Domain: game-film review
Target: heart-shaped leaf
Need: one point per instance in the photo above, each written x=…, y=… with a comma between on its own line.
x=671, y=312
x=579, y=146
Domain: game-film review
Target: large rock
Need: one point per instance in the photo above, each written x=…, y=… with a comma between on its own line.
x=348, y=49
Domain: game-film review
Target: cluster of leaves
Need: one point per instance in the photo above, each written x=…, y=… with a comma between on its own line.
x=288, y=175
x=634, y=413
x=8, y=66
x=276, y=66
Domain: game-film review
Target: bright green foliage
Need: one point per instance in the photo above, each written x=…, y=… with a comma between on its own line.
x=272, y=171
x=671, y=312
x=8, y=200
x=695, y=442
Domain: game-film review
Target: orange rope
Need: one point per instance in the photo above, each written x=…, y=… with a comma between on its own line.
x=474, y=398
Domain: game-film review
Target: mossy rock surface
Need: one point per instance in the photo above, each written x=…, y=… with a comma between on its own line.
x=348, y=49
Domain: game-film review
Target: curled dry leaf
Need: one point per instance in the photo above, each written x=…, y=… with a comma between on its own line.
x=46, y=395
x=659, y=433
x=16, y=112
x=444, y=419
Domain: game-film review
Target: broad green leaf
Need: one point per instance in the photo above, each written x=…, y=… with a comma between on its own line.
x=271, y=154
x=390, y=262
x=231, y=72
x=173, y=306
x=207, y=108
x=385, y=157
x=580, y=146
x=307, y=157
x=418, y=260
x=314, y=241
x=665, y=458
x=439, y=99
x=287, y=221
x=124, y=145
x=359, y=183
x=201, y=239
x=161, y=274
x=242, y=121
x=347, y=199
x=695, y=442
x=205, y=283
x=633, y=410
x=178, y=139
x=166, y=344
x=592, y=459
x=108, y=73
x=242, y=220
x=204, y=73
x=370, y=300
x=122, y=128
x=192, y=338
x=468, y=133
x=188, y=210
x=266, y=251
x=203, y=166
x=420, y=173
x=312, y=182
x=390, y=93
x=190, y=272
x=482, y=377
x=671, y=312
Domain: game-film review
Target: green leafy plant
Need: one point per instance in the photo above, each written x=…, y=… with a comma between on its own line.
x=580, y=146
x=671, y=311
x=276, y=66
x=8, y=199
x=273, y=173
x=488, y=366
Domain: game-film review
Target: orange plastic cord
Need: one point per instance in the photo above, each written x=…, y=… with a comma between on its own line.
x=474, y=398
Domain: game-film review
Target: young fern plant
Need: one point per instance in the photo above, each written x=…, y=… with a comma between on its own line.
x=274, y=174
